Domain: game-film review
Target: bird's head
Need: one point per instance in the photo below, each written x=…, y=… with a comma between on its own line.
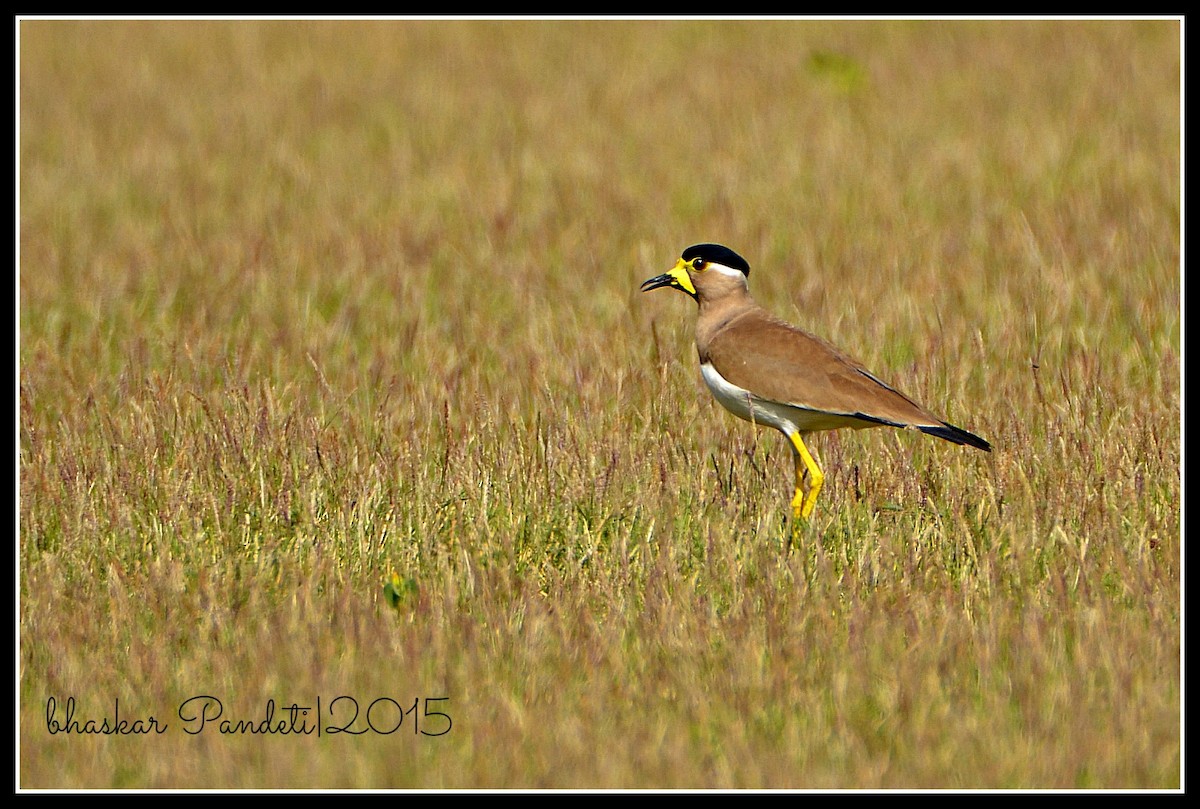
x=703, y=270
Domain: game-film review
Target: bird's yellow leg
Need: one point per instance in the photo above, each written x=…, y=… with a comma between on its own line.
x=802, y=504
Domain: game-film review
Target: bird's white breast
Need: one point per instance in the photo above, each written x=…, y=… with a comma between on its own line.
x=742, y=404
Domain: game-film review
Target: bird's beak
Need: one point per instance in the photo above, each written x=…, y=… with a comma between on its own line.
x=677, y=278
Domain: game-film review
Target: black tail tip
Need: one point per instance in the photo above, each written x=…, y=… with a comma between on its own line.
x=957, y=435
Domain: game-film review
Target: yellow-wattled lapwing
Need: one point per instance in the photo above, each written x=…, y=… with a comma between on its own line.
x=769, y=372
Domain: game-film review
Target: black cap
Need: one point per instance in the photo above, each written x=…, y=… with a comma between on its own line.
x=719, y=254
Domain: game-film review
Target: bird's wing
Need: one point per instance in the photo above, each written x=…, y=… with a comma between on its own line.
x=784, y=364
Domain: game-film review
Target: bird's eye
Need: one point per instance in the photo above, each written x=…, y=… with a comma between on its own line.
x=698, y=264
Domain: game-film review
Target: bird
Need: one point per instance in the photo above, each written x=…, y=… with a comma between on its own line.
x=769, y=372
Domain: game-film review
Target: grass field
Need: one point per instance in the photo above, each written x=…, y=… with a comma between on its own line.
x=303, y=305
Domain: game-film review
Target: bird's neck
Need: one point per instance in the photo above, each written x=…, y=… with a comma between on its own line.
x=716, y=314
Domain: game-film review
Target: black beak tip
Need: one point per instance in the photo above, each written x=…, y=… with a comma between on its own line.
x=656, y=282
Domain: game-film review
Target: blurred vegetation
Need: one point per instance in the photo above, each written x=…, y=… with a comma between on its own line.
x=335, y=380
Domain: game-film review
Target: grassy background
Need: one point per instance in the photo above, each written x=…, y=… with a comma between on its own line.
x=303, y=304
